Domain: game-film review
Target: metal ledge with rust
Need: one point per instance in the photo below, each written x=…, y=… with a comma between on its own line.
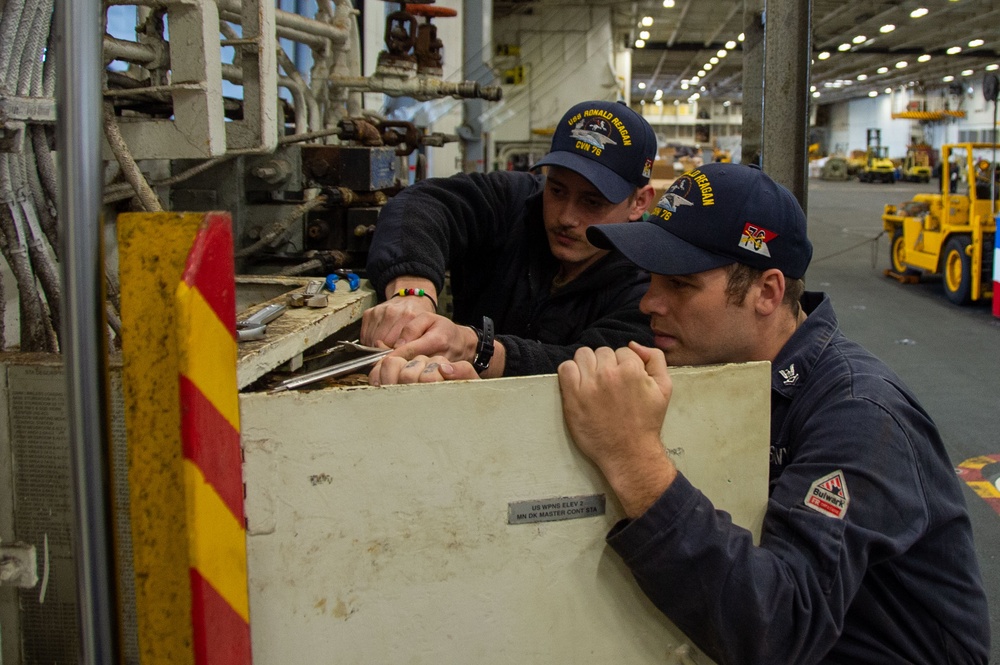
x=298, y=328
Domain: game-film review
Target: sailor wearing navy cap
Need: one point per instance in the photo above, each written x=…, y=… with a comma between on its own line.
x=528, y=287
x=866, y=553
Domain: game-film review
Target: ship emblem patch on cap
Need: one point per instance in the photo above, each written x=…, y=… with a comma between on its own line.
x=672, y=201
x=829, y=495
x=595, y=130
x=647, y=168
x=755, y=239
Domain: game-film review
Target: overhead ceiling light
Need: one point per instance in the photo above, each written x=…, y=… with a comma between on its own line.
x=859, y=39
x=730, y=44
x=887, y=28
x=823, y=55
x=644, y=34
x=642, y=102
x=740, y=37
x=702, y=88
x=722, y=53
x=918, y=12
x=862, y=77
x=888, y=91
x=992, y=68
x=642, y=85
x=707, y=67
x=873, y=93
x=695, y=79
x=684, y=85
x=668, y=3
x=924, y=58
x=812, y=88
x=639, y=43
x=713, y=60
x=967, y=72
x=953, y=50
x=659, y=94
x=901, y=64
x=844, y=47
x=677, y=102
x=882, y=70
x=726, y=103
x=975, y=43
x=816, y=94
x=659, y=102
x=647, y=21
x=948, y=79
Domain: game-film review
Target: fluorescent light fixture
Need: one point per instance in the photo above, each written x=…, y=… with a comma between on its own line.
x=701, y=73
x=975, y=43
x=873, y=93
x=918, y=12
x=639, y=43
x=823, y=55
x=948, y=79
x=816, y=94
x=713, y=60
x=694, y=97
x=953, y=50
x=887, y=28
x=659, y=102
x=862, y=77
x=844, y=47
x=881, y=70
x=924, y=58
x=992, y=68
x=901, y=64
x=740, y=37
x=707, y=67
x=644, y=34
x=730, y=44
x=860, y=39
x=695, y=79
x=888, y=91
x=722, y=53
x=647, y=21
x=668, y=3
x=967, y=72
x=642, y=85
x=812, y=88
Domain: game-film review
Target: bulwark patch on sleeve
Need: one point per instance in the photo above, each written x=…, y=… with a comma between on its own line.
x=829, y=495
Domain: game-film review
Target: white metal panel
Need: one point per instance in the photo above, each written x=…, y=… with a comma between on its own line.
x=378, y=530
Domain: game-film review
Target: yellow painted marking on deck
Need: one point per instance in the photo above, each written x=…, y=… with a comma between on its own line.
x=984, y=489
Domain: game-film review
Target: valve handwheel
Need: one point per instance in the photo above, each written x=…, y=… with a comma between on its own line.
x=430, y=11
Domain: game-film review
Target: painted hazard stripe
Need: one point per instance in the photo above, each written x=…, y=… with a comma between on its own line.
x=971, y=471
x=218, y=542
x=206, y=305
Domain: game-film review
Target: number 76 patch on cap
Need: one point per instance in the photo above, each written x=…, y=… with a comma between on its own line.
x=829, y=495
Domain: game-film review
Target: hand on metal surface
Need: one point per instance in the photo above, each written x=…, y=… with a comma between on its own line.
x=395, y=369
x=614, y=403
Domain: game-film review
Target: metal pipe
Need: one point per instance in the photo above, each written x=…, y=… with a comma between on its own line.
x=123, y=49
x=78, y=102
x=289, y=20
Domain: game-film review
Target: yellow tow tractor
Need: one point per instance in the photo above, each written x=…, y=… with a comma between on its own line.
x=950, y=234
x=877, y=167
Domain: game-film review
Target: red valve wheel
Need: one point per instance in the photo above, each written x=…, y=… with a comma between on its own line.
x=430, y=11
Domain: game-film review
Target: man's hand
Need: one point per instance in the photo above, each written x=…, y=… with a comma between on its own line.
x=396, y=369
x=614, y=402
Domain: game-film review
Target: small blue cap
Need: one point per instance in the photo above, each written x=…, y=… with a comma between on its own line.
x=331, y=282
x=608, y=143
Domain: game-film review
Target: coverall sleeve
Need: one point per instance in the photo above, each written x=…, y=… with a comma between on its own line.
x=785, y=600
x=433, y=224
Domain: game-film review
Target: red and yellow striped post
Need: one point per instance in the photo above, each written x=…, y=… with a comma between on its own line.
x=182, y=423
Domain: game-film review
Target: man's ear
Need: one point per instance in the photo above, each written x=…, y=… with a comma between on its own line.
x=640, y=204
x=770, y=291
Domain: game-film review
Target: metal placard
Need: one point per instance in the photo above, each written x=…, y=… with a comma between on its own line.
x=555, y=509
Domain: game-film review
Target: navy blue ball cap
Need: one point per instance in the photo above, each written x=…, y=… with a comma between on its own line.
x=608, y=143
x=713, y=216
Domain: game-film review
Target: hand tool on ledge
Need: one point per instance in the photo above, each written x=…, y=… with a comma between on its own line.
x=333, y=371
x=254, y=326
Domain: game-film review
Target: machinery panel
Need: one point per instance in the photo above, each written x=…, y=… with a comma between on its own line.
x=378, y=525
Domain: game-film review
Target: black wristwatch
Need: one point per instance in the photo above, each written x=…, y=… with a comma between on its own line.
x=484, y=349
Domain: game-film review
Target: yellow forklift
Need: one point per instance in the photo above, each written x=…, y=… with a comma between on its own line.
x=877, y=167
x=949, y=234
x=916, y=166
